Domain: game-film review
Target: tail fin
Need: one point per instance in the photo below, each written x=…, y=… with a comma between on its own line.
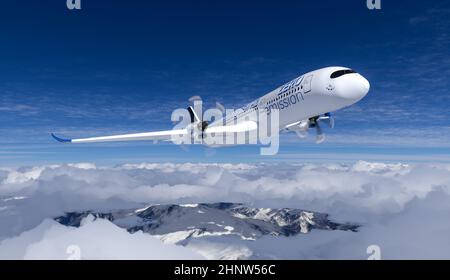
x=193, y=114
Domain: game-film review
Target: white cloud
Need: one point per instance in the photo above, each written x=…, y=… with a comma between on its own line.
x=99, y=239
x=391, y=201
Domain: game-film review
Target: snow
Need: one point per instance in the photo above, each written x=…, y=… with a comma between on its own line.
x=306, y=219
x=189, y=205
x=262, y=214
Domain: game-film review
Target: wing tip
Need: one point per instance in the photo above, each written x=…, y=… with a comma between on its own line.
x=62, y=140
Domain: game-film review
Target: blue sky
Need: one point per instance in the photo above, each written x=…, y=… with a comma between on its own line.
x=124, y=66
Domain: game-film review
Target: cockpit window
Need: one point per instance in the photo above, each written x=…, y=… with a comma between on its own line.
x=339, y=73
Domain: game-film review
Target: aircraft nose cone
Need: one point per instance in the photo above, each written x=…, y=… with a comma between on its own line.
x=365, y=84
x=356, y=88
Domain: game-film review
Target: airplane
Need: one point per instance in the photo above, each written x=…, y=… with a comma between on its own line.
x=302, y=103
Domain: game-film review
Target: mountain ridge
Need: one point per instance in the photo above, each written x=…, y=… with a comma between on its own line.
x=174, y=223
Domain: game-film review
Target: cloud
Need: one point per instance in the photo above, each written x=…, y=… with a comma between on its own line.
x=417, y=20
x=419, y=231
x=425, y=137
x=390, y=201
x=99, y=239
x=22, y=109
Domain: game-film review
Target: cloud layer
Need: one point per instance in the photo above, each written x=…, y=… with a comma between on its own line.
x=403, y=208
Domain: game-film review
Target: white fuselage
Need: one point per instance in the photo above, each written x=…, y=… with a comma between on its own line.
x=312, y=94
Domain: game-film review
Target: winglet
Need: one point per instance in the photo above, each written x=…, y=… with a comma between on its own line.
x=61, y=139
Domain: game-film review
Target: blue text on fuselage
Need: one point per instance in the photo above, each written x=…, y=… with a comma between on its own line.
x=284, y=103
x=292, y=84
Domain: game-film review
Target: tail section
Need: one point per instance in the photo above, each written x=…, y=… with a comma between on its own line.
x=193, y=114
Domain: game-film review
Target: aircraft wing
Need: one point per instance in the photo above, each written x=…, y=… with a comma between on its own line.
x=146, y=136
x=167, y=135
x=248, y=130
x=241, y=127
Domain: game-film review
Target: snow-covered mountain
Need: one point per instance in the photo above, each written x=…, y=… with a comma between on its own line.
x=179, y=223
